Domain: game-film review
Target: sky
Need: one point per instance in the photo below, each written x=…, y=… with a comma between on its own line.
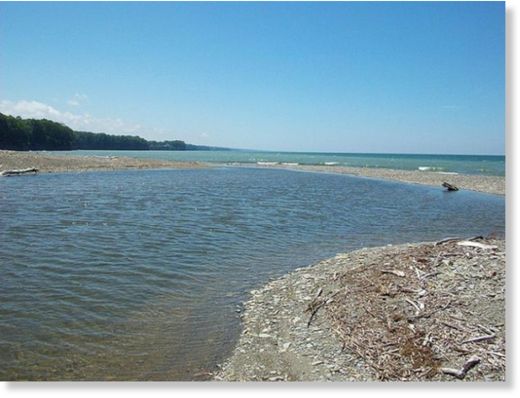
x=327, y=77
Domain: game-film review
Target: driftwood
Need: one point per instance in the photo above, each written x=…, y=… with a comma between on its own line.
x=461, y=373
x=449, y=187
x=446, y=240
x=479, y=338
x=395, y=272
x=475, y=244
x=451, y=239
x=316, y=304
x=10, y=173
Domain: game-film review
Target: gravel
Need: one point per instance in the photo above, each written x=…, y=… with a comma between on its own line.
x=396, y=313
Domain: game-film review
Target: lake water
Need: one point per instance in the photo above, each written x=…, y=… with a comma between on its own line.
x=466, y=164
x=138, y=274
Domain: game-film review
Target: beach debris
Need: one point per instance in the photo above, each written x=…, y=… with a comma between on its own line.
x=430, y=317
x=11, y=173
x=313, y=308
x=446, y=240
x=476, y=244
x=479, y=339
x=395, y=272
x=317, y=303
x=461, y=373
x=452, y=239
x=449, y=187
x=417, y=307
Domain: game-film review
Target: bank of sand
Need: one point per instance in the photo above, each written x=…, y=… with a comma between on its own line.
x=51, y=163
x=488, y=184
x=402, y=312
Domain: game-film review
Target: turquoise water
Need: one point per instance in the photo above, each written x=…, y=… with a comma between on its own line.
x=465, y=164
x=137, y=275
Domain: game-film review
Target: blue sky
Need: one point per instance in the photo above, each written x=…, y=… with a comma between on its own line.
x=340, y=77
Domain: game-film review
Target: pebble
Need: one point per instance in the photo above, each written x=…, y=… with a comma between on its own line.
x=285, y=347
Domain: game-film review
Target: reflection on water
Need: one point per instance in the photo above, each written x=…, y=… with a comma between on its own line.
x=137, y=274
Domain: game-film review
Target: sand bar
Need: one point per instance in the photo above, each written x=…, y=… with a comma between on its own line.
x=51, y=163
x=481, y=183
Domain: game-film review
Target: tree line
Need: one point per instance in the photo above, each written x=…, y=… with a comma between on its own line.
x=37, y=135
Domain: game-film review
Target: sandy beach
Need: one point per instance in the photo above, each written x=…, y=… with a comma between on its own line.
x=481, y=183
x=410, y=312
x=47, y=163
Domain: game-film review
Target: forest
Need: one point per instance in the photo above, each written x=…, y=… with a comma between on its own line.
x=21, y=134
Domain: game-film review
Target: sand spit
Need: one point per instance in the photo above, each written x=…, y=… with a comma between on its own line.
x=47, y=163
x=412, y=312
x=488, y=184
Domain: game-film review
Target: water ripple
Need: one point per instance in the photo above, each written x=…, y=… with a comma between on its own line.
x=136, y=275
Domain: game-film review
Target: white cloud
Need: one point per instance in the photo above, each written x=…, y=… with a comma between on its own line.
x=77, y=99
x=76, y=121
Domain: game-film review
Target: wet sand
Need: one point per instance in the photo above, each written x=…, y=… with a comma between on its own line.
x=47, y=163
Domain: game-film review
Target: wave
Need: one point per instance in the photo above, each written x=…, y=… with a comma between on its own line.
x=290, y=163
x=430, y=168
x=267, y=163
x=330, y=163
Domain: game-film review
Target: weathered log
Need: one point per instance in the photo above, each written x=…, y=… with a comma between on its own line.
x=10, y=173
x=449, y=187
x=446, y=240
x=476, y=244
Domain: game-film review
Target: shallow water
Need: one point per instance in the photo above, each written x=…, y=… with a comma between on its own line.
x=137, y=274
